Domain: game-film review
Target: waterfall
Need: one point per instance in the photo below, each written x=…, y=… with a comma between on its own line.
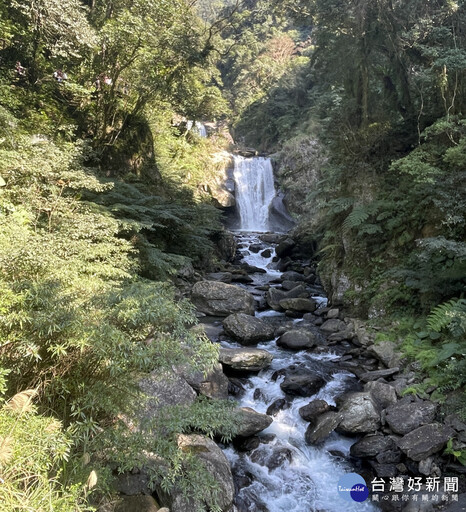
x=254, y=192
x=200, y=128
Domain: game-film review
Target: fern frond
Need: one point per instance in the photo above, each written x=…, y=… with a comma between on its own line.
x=451, y=315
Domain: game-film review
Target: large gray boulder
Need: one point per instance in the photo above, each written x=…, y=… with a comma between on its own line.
x=297, y=340
x=372, y=445
x=426, y=440
x=323, y=427
x=385, y=351
x=285, y=247
x=164, y=389
x=274, y=296
x=247, y=329
x=313, y=409
x=302, y=382
x=360, y=415
x=215, y=463
x=403, y=417
x=383, y=393
x=245, y=359
x=333, y=325
x=251, y=422
x=212, y=385
x=220, y=299
x=298, y=304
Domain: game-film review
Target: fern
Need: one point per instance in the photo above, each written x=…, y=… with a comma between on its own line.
x=356, y=218
x=451, y=315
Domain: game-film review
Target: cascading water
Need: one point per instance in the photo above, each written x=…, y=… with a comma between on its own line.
x=305, y=478
x=255, y=191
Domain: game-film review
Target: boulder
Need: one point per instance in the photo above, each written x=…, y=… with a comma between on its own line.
x=274, y=296
x=426, y=440
x=301, y=382
x=251, y=422
x=313, y=409
x=372, y=445
x=360, y=415
x=255, y=248
x=137, y=504
x=215, y=462
x=297, y=340
x=377, y=374
x=220, y=299
x=285, y=247
x=333, y=313
x=276, y=406
x=164, y=389
x=323, y=427
x=290, y=275
x=385, y=351
x=272, y=458
x=333, y=325
x=299, y=304
x=403, y=417
x=289, y=285
x=267, y=253
x=212, y=385
x=245, y=359
x=384, y=394
x=247, y=329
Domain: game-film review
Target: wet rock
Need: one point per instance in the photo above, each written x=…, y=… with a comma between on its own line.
x=297, y=340
x=377, y=374
x=299, y=304
x=224, y=277
x=276, y=406
x=360, y=414
x=251, y=422
x=403, y=417
x=271, y=238
x=372, y=445
x=274, y=296
x=424, y=441
x=302, y=383
x=137, y=504
x=247, y=444
x=247, y=329
x=385, y=351
x=384, y=394
x=290, y=275
x=313, y=409
x=235, y=386
x=333, y=325
x=245, y=359
x=324, y=426
x=255, y=248
x=258, y=394
x=339, y=336
x=333, y=313
x=384, y=470
x=272, y=459
x=285, y=247
x=241, y=277
x=267, y=253
x=251, y=269
x=212, y=385
x=221, y=299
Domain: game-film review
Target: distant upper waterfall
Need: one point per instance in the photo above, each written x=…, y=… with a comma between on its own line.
x=254, y=192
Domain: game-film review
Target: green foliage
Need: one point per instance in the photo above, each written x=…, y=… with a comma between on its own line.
x=460, y=455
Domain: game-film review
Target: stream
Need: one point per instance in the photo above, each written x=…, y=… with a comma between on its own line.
x=305, y=477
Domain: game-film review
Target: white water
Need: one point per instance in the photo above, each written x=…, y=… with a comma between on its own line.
x=197, y=127
x=254, y=192
x=309, y=482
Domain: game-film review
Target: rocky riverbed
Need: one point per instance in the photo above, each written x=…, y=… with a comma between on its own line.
x=317, y=397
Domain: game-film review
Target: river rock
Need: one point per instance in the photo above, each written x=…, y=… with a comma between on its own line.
x=290, y=275
x=164, y=389
x=289, y=285
x=333, y=313
x=274, y=296
x=297, y=340
x=221, y=299
x=403, y=417
x=302, y=383
x=384, y=394
x=267, y=253
x=137, y=504
x=212, y=385
x=360, y=414
x=299, y=304
x=385, y=351
x=247, y=329
x=272, y=458
x=372, y=445
x=215, y=462
x=313, y=409
x=424, y=441
x=251, y=422
x=285, y=247
x=323, y=427
x=245, y=359
x=255, y=248
x=377, y=374
x=276, y=406
x=333, y=325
